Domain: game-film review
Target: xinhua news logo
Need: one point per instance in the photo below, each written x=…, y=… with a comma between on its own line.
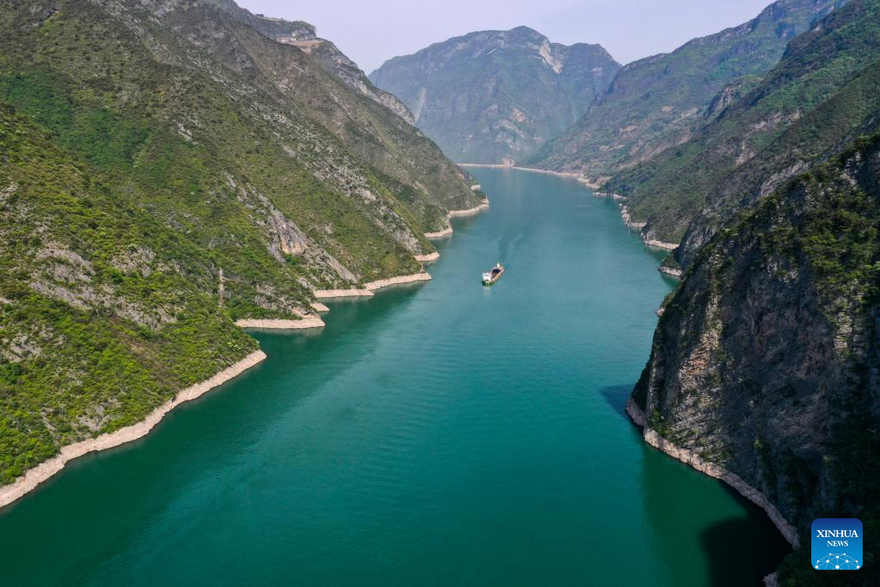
x=836, y=544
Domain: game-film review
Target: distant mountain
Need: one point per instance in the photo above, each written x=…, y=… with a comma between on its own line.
x=492, y=95
x=662, y=100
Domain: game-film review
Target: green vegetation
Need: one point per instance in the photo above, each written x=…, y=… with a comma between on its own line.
x=802, y=266
x=159, y=180
x=661, y=101
x=838, y=237
x=93, y=341
x=820, y=96
x=378, y=136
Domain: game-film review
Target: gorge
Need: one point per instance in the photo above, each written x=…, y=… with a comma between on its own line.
x=191, y=192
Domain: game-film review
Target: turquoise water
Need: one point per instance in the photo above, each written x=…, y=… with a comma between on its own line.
x=442, y=434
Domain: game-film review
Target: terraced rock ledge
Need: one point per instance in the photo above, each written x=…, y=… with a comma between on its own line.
x=369, y=288
x=671, y=272
x=659, y=244
x=329, y=294
x=306, y=322
x=428, y=258
x=45, y=470
x=440, y=233
x=484, y=205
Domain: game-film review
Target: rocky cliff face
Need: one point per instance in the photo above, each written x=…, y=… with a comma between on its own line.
x=495, y=95
x=660, y=101
x=765, y=360
x=336, y=63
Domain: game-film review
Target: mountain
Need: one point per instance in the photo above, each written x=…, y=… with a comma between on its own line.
x=773, y=132
x=403, y=157
x=765, y=360
x=764, y=365
x=494, y=95
x=660, y=101
x=165, y=170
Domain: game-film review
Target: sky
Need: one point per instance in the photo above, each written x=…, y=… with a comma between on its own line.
x=372, y=31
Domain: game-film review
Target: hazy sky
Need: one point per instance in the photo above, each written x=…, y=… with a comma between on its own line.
x=371, y=31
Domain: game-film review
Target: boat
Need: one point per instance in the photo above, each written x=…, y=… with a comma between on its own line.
x=494, y=275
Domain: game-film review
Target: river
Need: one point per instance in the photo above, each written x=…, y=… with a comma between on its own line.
x=438, y=434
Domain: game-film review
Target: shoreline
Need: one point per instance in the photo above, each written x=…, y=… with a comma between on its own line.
x=305, y=322
x=633, y=225
x=36, y=476
x=370, y=288
x=611, y=195
x=629, y=222
x=568, y=174
x=660, y=244
x=484, y=205
x=439, y=234
x=653, y=438
x=383, y=283
x=428, y=258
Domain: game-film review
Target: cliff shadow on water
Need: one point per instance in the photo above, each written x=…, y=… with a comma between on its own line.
x=731, y=542
x=741, y=544
x=617, y=396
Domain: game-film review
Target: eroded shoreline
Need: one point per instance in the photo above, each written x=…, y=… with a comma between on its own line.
x=36, y=476
x=650, y=436
x=484, y=205
x=306, y=322
x=428, y=258
x=370, y=288
x=41, y=473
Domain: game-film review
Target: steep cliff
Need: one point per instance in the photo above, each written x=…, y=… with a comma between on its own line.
x=660, y=101
x=494, y=95
x=765, y=365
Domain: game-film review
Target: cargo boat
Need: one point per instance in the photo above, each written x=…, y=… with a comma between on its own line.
x=494, y=275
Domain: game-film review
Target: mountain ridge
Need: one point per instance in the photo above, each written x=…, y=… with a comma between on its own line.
x=815, y=67
x=491, y=96
x=660, y=101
